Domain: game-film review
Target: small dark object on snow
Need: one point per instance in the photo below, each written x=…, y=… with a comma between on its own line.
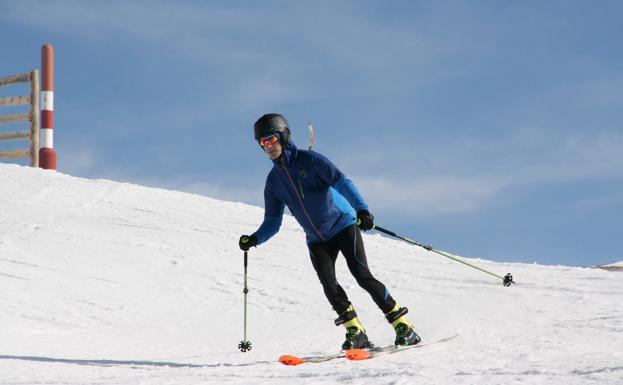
x=508, y=279
x=244, y=346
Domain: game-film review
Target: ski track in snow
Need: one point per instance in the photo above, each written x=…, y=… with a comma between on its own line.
x=112, y=283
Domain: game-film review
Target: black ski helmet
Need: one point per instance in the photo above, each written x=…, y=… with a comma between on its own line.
x=269, y=124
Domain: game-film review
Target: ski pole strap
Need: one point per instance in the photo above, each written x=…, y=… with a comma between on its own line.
x=507, y=280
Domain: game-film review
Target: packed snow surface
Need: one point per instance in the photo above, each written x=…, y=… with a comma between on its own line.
x=112, y=283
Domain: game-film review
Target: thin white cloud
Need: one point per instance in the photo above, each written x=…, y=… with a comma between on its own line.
x=253, y=45
x=523, y=160
x=431, y=195
x=207, y=32
x=269, y=88
x=79, y=161
x=213, y=187
x=570, y=157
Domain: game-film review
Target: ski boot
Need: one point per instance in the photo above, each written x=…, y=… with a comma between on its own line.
x=405, y=333
x=356, y=337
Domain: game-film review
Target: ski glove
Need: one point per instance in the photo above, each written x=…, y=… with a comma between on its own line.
x=247, y=241
x=365, y=220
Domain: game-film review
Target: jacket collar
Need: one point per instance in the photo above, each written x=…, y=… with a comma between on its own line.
x=287, y=156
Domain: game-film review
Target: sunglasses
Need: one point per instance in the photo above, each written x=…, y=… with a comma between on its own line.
x=271, y=139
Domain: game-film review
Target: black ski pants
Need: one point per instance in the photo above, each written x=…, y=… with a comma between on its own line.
x=323, y=257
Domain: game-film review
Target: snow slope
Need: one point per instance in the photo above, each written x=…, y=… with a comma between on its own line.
x=112, y=283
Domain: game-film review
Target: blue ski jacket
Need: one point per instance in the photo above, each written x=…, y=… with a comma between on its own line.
x=321, y=198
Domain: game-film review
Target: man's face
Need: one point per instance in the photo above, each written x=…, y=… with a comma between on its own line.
x=272, y=146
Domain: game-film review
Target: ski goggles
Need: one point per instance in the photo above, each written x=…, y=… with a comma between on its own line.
x=270, y=139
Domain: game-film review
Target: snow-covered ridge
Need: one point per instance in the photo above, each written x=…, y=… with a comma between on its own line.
x=617, y=266
x=106, y=282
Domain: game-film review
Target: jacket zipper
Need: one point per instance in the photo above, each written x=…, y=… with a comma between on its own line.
x=301, y=190
x=284, y=168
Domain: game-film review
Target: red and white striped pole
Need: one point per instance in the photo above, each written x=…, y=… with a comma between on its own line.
x=47, y=155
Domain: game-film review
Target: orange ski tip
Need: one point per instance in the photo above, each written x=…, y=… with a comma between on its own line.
x=357, y=354
x=291, y=360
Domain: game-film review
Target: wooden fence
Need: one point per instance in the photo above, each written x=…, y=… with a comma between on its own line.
x=33, y=117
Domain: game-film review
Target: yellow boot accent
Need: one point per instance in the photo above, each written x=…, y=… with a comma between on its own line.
x=355, y=322
x=396, y=307
x=401, y=320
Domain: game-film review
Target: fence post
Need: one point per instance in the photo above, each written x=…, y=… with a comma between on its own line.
x=13, y=101
x=47, y=155
x=34, y=118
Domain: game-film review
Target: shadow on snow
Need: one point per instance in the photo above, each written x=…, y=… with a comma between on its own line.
x=126, y=363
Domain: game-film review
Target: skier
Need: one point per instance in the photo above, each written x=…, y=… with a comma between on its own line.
x=331, y=211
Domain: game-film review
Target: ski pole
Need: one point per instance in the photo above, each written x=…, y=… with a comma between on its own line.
x=507, y=280
x=245, y=345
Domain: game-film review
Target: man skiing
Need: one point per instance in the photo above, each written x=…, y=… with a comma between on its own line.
x=331, y=211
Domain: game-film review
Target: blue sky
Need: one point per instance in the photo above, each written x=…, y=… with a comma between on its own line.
x=485, y=128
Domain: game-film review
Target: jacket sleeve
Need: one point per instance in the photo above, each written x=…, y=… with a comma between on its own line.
x=348, y=190
x=331, y=175
x=273, y=216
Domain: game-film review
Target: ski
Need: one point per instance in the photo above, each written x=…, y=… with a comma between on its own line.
x=366, y=354
x=355, y=354
x=291, y=360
